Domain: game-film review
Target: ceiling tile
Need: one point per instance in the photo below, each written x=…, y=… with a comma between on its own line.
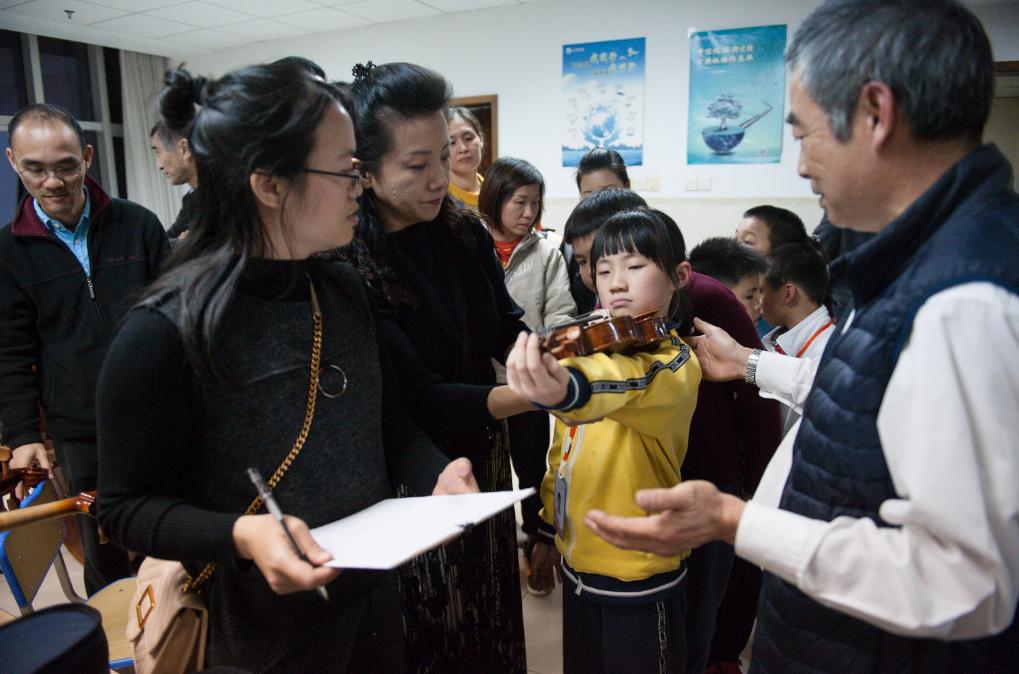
x=134, y=5
x=467, y=5
x=339, y=3
x=84, y=13
x=208, y=39
x=200, y=14
x=322, y=19
x=380, y=11
x=144, y=26
x=267, y=8
x=263, y=29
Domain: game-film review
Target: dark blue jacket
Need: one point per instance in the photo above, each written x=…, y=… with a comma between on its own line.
x=965, y=228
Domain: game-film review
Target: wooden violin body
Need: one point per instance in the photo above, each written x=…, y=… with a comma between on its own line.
x=593, y=333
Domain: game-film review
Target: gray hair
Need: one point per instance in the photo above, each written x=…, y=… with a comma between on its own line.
x=933, y=54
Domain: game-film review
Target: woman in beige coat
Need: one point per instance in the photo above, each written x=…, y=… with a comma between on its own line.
x=511, y=204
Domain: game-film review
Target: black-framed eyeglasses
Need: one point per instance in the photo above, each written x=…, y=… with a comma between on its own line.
x=354, y=176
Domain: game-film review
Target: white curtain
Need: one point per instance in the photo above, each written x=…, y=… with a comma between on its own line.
x=141, y=79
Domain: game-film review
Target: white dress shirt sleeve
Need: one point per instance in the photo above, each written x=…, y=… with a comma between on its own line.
x=787, y=379
x=950, y=431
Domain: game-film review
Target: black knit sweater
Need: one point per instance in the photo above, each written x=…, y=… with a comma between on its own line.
x=173, y=449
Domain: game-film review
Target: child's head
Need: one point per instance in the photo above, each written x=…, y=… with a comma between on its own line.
x=765, y=228
x=639, y=260
x=738, y=266
x=589, y=215
x=600, y=169
x=795, y=284
x=511, y=198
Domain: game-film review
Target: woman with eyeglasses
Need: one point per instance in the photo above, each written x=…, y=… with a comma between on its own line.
x=431, y=265
x=244, y=340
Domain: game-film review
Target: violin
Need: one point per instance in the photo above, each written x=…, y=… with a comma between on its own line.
x=85, y=502
x=30, y=476
x=10, y=477
x=597, y=333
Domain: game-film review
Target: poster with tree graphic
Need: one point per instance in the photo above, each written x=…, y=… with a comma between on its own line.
x=737, y=96
x=603, y=95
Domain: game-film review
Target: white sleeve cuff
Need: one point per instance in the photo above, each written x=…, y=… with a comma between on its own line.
x=785, y=378
x=778, y=541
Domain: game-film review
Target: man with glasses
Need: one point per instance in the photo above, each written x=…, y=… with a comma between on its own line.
x=72, y=262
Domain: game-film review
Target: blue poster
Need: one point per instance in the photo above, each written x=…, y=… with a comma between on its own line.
x=603, y=89
x=737, y=96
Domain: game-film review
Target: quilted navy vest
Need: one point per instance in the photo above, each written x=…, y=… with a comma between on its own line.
x=965, y=228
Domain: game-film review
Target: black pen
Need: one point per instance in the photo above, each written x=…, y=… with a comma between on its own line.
x=274, y=510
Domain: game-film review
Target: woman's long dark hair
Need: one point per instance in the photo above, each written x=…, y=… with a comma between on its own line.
x=382, y=95
x=656, y=236
x=260, y=118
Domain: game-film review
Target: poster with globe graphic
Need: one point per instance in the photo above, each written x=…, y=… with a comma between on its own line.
x=603, y=91
x=737, y=96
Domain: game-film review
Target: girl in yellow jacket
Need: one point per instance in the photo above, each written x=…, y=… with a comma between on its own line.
x=624, y=421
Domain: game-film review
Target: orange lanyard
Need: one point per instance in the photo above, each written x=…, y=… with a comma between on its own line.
x=572, y=434
x=810, y=341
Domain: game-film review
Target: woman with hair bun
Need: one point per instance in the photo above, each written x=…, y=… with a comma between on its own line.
x=245, y=339
x=432, y=265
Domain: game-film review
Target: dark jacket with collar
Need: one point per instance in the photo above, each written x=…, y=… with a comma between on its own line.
x=964, y=229
x=57, y=322
x=185, y=217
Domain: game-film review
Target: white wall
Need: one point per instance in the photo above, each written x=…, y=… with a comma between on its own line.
x=1001, y=21
x=515, y=52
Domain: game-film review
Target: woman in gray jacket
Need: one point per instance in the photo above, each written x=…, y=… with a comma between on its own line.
x=511, y=203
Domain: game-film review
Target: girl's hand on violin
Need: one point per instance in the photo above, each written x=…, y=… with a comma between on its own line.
x=456, y=478
x=261, y=538
x=534, y=375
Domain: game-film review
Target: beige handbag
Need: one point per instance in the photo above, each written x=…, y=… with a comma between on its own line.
x=169, y=619
x=169, y=625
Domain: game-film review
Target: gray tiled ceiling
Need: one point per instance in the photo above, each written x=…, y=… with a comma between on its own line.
x=181, y=27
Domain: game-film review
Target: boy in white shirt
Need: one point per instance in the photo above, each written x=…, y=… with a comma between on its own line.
x=794, y=300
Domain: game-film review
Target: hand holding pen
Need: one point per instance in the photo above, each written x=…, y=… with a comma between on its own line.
x=275, y=543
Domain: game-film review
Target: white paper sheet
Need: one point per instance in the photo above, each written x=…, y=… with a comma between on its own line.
x=390, y=532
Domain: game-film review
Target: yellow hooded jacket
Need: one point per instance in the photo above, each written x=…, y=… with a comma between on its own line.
x=638, y=409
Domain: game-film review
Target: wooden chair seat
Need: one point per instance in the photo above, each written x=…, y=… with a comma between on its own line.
x=114, y=602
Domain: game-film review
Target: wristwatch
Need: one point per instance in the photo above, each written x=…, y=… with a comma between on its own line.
x=751, y=375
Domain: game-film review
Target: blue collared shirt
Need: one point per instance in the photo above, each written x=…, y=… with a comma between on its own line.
x=76, y=241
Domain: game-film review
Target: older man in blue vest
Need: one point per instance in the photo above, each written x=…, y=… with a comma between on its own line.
x=888, y=521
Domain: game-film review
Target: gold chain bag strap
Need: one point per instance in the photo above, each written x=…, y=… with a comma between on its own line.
x=168, y=618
